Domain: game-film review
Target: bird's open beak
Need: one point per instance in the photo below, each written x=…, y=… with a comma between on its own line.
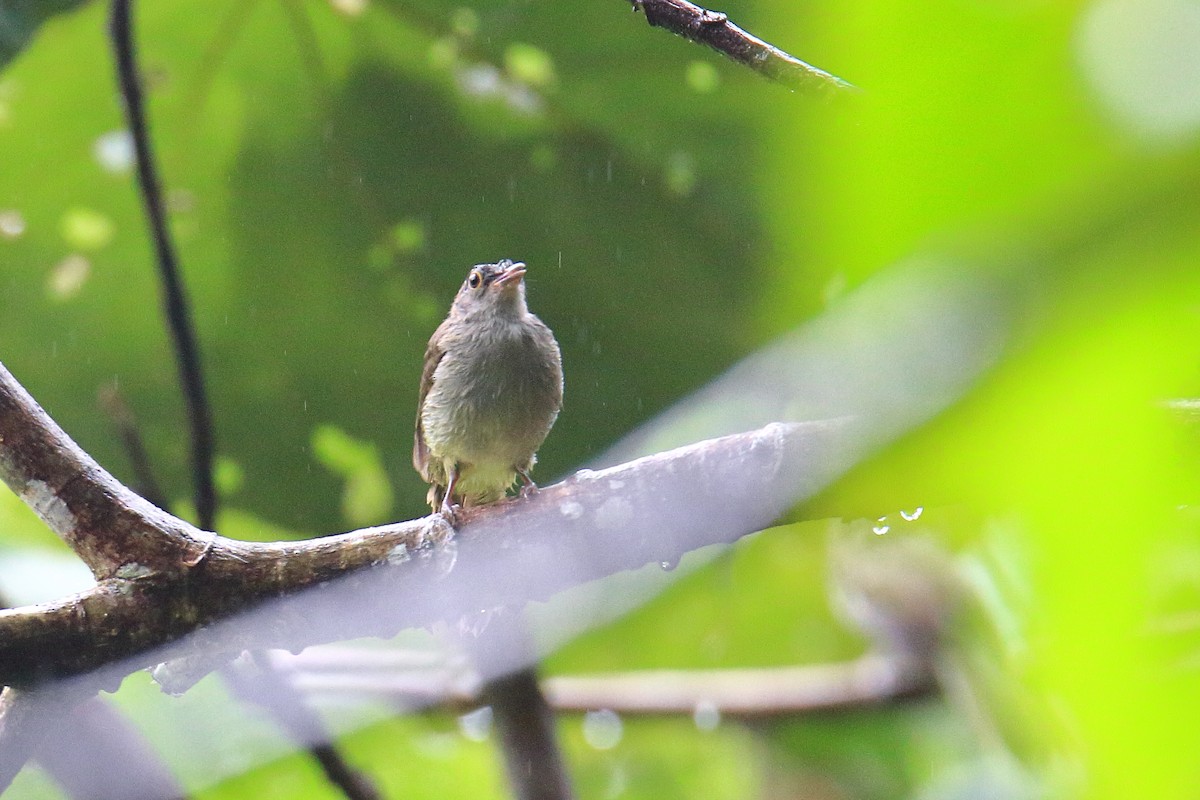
x=511, y=275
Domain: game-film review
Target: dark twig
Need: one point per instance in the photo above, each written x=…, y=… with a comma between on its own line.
x=113, y=404
x=300, y=723
x=714, y=29
x=504, y=656
x=175, y=299
x=526, y=726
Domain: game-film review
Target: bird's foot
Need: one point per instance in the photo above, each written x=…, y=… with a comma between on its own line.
x=528, y=487
x=451, y=512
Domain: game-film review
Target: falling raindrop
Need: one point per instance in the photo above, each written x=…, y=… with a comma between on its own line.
x=916, y=513
x=476, y=725
x=602, y=729
x=881, y=526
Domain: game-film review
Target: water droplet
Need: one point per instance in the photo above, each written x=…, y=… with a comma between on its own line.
x=571, y=510
x=399, y=554
x=881, y=527
x=114, y=151
x=476, y=725
x=602, y=729
x=706, y=715
x=916, y=513
x=12, y=224
x=667, y=566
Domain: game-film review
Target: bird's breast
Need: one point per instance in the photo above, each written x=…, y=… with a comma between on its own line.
x=494, y=396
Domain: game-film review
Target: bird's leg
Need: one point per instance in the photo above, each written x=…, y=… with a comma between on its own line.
x=528, y=487
x=447, y=507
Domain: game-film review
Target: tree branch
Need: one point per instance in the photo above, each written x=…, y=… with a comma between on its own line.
x=105, y=523
x=714, y=29
x=164, y=579
x=745, y=694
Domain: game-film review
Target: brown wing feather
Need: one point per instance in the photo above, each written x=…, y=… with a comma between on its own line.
x=433, y=356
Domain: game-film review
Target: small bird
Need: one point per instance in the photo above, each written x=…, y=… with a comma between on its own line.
x=490, y=392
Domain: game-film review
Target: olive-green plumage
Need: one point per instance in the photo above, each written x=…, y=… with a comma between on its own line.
x=490, y=392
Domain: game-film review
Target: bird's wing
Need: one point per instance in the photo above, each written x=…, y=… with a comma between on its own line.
x=433, y=356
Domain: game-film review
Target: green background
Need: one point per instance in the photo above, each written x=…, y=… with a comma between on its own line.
x=332, y=174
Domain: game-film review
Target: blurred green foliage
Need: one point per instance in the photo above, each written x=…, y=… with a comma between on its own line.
x=333, y=168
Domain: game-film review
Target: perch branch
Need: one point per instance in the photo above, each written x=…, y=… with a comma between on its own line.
x=714, y=29
x=165, y=578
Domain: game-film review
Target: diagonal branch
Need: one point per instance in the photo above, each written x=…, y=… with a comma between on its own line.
x=714, y=29
x=105, y=523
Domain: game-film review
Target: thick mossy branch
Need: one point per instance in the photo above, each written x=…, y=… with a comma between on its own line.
x=163, y=579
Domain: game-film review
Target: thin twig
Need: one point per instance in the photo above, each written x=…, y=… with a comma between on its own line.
x=299, y=722
x=113, y=403
x=714, y=29
x=178, y=313
x=260, y=683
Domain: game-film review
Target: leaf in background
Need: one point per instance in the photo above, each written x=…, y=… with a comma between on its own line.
x=367, y=496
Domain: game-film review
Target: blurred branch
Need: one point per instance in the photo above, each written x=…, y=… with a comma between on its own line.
x=162, y=578
x=99, y=753
x=744, y=694
x=714, y=29
x=260, y=683
x=526, y=724
x=27, y=717
x=503, y=649
x=187, y=352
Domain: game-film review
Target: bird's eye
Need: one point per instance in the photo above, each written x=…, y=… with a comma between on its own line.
x=475, y=280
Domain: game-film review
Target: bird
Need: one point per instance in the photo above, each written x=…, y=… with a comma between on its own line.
x=491, y=389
